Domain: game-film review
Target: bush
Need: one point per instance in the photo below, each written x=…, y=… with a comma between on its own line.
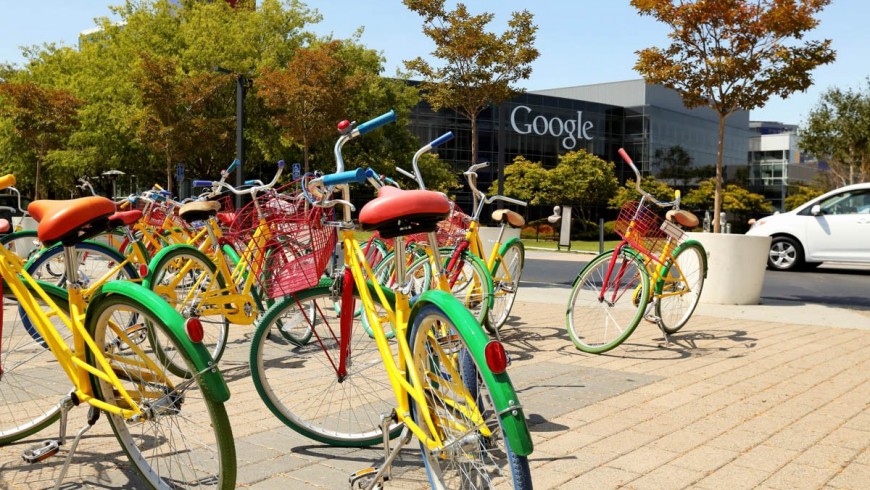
x=539, y=230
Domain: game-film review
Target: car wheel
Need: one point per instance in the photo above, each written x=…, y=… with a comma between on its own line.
x=785, y=254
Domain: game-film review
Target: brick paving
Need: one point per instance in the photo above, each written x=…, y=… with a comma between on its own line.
x=731, y=403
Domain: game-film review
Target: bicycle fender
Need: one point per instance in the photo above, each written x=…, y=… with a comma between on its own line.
x=660, y=282
x=504, y=396
x=159, y=255
x=213, y=380
x=504, y=248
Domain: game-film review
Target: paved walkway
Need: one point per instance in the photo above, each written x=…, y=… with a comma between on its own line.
x=745, y=397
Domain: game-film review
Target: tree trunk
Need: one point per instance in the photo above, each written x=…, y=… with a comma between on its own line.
x=473, y=119
x=36, y=194
x=305, y=154
x=168, y=172
x=720, y=157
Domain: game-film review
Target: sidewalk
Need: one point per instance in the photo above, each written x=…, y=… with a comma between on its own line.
x=769, y=396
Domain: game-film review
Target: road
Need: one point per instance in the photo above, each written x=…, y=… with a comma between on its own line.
x=827, y=285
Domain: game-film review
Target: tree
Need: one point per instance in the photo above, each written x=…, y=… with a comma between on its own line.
x=800, y=194
x=307, y=98
x=41, y=119
x=674, y=164
x=527, y=181
x=733, y=54
x=181, y=116
x=838, y=132
x=479, y=69
x=628, y=192
x=736, y=200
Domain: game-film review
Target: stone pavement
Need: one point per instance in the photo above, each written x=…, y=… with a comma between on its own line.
x=768, y=396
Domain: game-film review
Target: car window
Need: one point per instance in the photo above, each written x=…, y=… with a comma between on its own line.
x=853, y=202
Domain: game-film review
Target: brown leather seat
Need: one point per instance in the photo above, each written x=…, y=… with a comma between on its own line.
x=58, y=219
x=685, y=218
x=199, y=210
x=397, y=212
x=511, y=217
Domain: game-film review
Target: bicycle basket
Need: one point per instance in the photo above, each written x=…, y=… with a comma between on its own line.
x=293, y=253
x=450, y=230
x=274, y=203
x=641, y=228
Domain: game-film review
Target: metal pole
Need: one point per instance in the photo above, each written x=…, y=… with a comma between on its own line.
x=240, y=132
x=501, y=144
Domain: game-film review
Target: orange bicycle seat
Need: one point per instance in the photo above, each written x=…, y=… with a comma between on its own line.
x=396, y=212
x=58, y=219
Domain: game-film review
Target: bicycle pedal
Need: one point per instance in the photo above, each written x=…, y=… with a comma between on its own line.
x=41, y=452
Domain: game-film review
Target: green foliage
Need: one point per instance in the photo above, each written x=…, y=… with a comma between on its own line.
x=800, y=194
x=477, y=68
x=628, y=192
x=525, y=180
x=838, y=131
x=736, y=200
x=733, y=54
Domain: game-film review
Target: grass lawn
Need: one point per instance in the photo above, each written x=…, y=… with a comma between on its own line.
x=576, y=245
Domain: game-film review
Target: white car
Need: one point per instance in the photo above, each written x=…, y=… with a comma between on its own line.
x=834, y=227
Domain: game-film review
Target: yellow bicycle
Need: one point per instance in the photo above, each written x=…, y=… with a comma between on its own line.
x=174, y=430
x=424, y=366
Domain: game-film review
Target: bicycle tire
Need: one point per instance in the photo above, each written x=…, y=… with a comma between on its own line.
x=24, y=243
x=678, y=292
x=597, y=325
x=471, y=281
x=477, y=459
x=299, y=384
x=202, y=274
x=32, y=384
x=95, y=260
x=185, y=438
x=506, y=273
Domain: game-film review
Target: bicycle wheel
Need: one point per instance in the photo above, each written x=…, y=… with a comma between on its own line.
x=474, y=451
x=189, y=281
x=184, y=437
x=469, y=282
x=506, y=274
x=32, y=383
x=24, y=243
x=677, y=293
x=299, y=383
x=603, y=310
x=95, y=262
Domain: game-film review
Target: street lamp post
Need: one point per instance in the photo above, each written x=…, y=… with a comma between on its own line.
x=241, y=89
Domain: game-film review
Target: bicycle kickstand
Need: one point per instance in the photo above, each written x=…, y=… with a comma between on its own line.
x=372, y=478
x=93, y=415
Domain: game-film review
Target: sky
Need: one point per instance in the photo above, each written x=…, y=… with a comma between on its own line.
x=581, y=41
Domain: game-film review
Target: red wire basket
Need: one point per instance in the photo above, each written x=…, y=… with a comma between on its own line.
x=642, y=230
x=296, y=249
x=450, y=230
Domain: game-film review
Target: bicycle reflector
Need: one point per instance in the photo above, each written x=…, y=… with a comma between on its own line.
x=143, y=270
x=194, y=329
x=496, y=357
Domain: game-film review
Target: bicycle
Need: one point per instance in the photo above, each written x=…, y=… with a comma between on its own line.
x=274, y=247
x=653, y=268
x=174, y=430
x=447, y=379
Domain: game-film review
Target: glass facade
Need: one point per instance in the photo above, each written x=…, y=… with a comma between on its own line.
x=542, y=127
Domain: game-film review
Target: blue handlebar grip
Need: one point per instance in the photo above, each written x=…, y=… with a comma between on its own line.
x=202, y=183
x=251, y=182
x=371, y=174
x=358, y=175
x=233, y=165
x=280, y=163
x=376, y=122
x=444, y=138
x=165, y=193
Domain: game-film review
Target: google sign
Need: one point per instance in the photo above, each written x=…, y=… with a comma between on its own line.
x=572, y=129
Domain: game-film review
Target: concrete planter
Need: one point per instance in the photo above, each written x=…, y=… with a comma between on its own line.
x=735, y=267
x=488, y=236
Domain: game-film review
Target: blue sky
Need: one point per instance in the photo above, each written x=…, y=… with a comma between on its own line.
x=581, y=41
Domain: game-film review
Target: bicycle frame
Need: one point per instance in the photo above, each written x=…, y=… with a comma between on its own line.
x=72, y=359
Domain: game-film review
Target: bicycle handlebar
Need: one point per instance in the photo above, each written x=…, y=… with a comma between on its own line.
x=642, y=192
x=218, y=184
x=426, y=148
